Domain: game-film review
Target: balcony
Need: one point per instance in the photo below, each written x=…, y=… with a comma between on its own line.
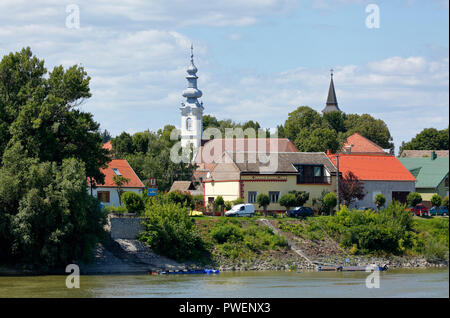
x=313, y=180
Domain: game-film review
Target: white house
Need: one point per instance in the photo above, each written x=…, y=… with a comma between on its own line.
x=108, y=191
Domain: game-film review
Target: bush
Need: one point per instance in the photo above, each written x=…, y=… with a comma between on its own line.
x=133, y=202
x=227, y=233
x=436, y=200
x=171, y=232
x=379, y=200
x=445, y=202
x=330, y=200
x=183, y=198
x=228, y=205
x=238, y=201
x=413, y=199
x=288, y=200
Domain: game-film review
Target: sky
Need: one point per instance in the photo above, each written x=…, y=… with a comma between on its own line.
x=257, y=59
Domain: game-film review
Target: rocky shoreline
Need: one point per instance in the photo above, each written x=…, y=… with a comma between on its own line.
x=133, y=257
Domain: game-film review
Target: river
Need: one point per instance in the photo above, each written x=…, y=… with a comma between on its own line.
x=393, y=283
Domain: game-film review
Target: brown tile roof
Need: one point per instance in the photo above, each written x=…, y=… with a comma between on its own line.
x=423, y=153
x=284, y=162
x=185, y=186
x=212, y=150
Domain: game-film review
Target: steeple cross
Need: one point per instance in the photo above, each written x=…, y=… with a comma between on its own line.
x=331, y=71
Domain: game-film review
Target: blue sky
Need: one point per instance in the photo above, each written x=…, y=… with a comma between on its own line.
x=257, y=59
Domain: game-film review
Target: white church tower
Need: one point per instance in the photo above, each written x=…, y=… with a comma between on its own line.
x=191, y=111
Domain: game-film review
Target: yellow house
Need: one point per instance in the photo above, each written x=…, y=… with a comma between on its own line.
x=239, y=175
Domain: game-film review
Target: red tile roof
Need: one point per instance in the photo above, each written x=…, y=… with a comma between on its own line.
x=107, y=145
x=125, y=170
x=360, y=144
x=373, y=167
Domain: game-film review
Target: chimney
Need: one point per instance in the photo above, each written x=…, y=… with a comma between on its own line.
x=328, y=152
x=433, y=155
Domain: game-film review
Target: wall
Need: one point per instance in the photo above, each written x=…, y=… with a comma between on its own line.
x=125, y=228
x=284, y=184
x=384, y=187
x=229, y=190
x=113, y=195
x=263, y=184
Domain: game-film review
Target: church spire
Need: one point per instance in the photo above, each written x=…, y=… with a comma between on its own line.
x=192, y=92
x=332, y=104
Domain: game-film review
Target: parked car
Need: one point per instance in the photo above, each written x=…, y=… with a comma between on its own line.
x=420, y=210
x=300, y=211
x=241, y=210
x=443, y=210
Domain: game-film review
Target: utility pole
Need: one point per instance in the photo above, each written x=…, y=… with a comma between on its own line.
x=337, y=182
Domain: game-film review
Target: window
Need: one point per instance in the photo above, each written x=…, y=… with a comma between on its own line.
x=314, y=174
x=252, y=196
x=274, y=195
x=116, y=171
x=188, y=123
x=446, y=181
x=103, y=196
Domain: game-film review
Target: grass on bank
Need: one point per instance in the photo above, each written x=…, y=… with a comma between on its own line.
x=391, y=231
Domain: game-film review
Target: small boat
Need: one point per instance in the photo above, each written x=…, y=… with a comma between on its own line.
x=191, y=271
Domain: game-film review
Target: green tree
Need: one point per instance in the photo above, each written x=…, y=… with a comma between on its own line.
x=219, y=202
x=302, y=118
x=185, y=199
x=373, y=129
x=319, y=203
x=133, y=202
x=330, y=201
x=379, y=200
x=120, y=181
x=413, y=199
x=428, y=139
x=445, y=201
x=436, y=200
x=170, y=231
x=263, y=201
x=288, y=200
x=39, y=110
x=301, y=196
x=122, y=144
x=317, y=140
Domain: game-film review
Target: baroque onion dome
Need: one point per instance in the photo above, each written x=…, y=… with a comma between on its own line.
x=192, y=92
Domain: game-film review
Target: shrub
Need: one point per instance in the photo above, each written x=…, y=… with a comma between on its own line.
x=227, y=233
x=379, y=200
x=301, y=196
x=171, y=232
x=198, y=200
x=330, y=200
x=228, y=205
x=413, y=199
x=445, y=202
x=238, y=201
x=183, y=198
x=288, y=200
x=263, y=201
x=133, y=202
x=436, y=200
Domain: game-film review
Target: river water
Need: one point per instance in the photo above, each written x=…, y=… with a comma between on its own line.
x=392, y=283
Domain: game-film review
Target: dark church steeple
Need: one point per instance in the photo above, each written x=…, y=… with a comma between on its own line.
x=332, y=105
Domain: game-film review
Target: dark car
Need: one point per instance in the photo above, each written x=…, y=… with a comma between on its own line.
x=443, y=210
x=420, y=210
x=300, y=211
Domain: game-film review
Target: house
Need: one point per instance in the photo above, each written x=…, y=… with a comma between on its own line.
x=187, y=186
x=423, y=153
x=108, y=191
x=359, y=144
x=239, y=175
x=379, y=173
x=431, y=174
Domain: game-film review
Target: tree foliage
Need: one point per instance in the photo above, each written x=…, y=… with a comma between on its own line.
x=149, y=155
x=263, y=201
x=288, y=200
x=48, y=149
x=428, y=139
x=379, y=200
x=413, y=199
x=311, y=131
x=330, y=200
x=350, y=189
x=133, y=202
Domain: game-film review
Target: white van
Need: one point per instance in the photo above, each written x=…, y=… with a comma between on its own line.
x=241, y=210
